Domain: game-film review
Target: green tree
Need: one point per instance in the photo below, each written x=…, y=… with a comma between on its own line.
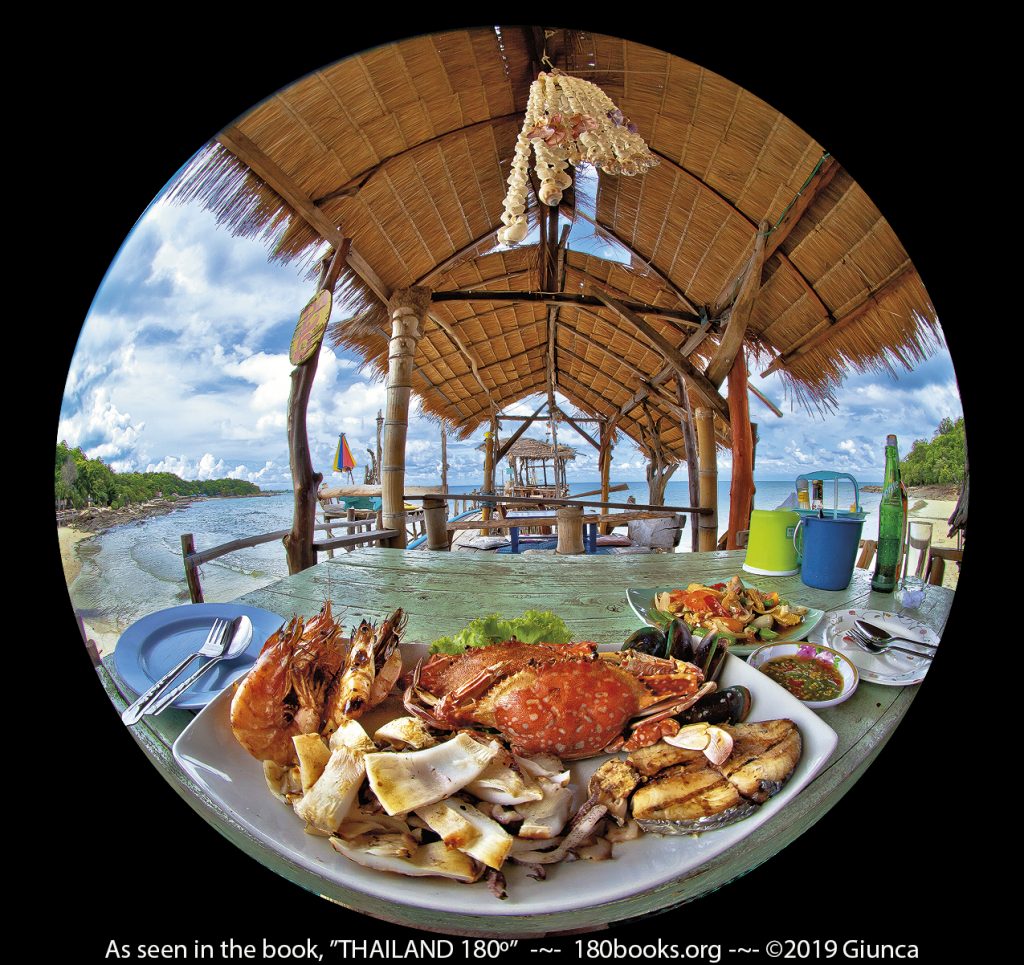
x=940, y=460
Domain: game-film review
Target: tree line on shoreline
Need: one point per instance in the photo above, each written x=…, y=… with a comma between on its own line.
x=940, y=460
x=80, y=481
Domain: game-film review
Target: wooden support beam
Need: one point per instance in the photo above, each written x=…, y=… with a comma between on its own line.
x=826, y=329
x=298, y=544
x=817, y=183
x=353, y=185
x=692, y=464
x=672, y=355
x=560, y=298
x=739, y=313
x=469, y=357
x=662, y=277
x=768, y=402
x=741, y=489
x=281, y=183
x=705, y=420
x=586, y=435
x=515, y=437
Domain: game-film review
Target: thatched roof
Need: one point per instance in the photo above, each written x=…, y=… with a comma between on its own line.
x=527, y=448
x=405, y=149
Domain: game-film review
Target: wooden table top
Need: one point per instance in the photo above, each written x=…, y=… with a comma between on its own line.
x=441, y=592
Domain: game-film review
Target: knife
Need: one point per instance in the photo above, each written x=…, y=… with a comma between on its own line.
x=240, y=633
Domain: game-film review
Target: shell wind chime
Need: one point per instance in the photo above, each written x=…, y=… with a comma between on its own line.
x=568, y=121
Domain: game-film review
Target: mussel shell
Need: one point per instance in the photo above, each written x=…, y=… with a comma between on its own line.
x=709, y=653
x=649, y=640
x=679, y=640
x=728, y=706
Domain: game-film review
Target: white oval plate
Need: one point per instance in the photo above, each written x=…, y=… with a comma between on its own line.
x=209, y=753
x=893, y=669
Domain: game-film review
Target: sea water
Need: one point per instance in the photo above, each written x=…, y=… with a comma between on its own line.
x=136, y=568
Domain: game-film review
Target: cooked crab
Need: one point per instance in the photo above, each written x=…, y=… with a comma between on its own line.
x=568, y=700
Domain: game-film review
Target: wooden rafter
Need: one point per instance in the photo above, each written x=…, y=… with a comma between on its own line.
x=354, y=184
x=662, y=277
x=672, y=356
x=745, y=294
x=821, y=180
x=559, y=298
x=278, y=181
x=514, y=438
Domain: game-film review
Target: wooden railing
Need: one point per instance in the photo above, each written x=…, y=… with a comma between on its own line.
x=362, y=531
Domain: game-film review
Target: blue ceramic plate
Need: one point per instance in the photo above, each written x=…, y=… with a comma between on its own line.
x=153, y=645
x=642, y=602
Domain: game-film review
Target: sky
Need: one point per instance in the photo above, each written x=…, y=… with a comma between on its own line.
x=182, y=366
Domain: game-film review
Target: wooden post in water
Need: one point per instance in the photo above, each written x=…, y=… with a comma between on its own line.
x=407, y=307
x=705, y=419
x=188, y=547
x=741, y=490
x=298, y=544
x=570, y=531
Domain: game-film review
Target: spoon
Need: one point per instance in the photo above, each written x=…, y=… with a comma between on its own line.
x=872, y=646
x=879, y=636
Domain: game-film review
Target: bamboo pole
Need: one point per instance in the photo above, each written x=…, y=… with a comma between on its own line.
x=741, y=489
x=705, y=419
x=408, y=307
x=488, y=472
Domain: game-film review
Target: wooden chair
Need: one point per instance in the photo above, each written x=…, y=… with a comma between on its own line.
x=867, y=553
x=937, y=557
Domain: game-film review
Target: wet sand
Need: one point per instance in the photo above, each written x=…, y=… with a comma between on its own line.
x=104, y=632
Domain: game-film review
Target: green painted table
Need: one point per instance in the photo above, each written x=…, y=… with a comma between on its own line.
x=443, y=591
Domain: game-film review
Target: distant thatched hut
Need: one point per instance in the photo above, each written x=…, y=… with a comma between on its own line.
x=528, y=460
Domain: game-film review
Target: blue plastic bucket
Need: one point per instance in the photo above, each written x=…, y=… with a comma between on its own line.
x=827, y=547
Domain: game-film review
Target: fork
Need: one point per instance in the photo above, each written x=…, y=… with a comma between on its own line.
x=213, y=646
x=873, y=646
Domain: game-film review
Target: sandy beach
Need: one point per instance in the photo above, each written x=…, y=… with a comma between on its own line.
x=105, y=633
x=69, y=558
x=937, y=512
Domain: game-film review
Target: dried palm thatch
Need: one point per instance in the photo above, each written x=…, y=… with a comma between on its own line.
x=405, y=149
x=529, y=448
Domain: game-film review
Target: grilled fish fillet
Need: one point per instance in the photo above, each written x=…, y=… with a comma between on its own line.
x=686, y=793
x=764, y=755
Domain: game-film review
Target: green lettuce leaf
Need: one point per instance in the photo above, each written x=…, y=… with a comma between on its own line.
x=533, y=626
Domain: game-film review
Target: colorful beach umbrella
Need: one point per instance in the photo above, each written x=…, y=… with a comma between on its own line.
x=344, y=461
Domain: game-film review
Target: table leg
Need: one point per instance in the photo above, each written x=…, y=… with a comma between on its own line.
x=513, y=532
x=592, y=537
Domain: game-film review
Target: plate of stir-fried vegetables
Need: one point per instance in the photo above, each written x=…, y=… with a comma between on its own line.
x=750, y=616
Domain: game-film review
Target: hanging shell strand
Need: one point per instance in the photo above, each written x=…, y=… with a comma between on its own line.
x=568, y=121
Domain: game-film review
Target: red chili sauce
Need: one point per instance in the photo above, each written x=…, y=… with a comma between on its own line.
x=805, y=677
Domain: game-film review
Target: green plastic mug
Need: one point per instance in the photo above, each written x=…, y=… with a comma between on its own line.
x=770, y=550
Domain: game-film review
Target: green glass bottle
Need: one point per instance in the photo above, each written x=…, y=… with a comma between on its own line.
x=891, y=514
